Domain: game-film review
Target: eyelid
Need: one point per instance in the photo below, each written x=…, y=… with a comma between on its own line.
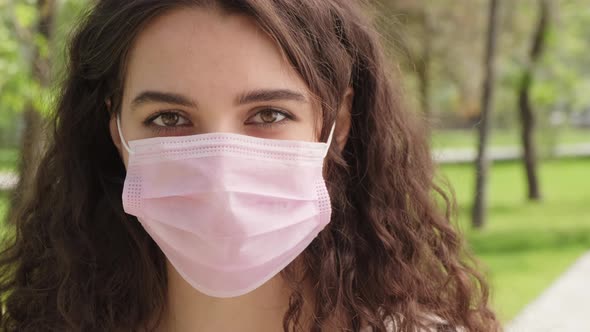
x=150, y=119
x=288, y=115
x=175, y=130
x=159, y=130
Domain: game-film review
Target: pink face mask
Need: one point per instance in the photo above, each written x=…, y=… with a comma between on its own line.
x=229, y=211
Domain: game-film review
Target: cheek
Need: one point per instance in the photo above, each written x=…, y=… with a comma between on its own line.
x=306, y=131
x=125, y=158
x=309, y=127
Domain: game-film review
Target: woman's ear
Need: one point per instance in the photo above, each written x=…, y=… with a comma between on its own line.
x=343, y=119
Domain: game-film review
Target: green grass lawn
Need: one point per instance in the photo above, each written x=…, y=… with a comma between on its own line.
x=3, y=202
x=3, y=208
x=519, y=277
x=525, y=246
x=8, y=159
x=501, y=138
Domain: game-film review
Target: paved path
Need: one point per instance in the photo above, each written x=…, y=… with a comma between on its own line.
x=8, y=180
x=467, y=155
x=563, y=307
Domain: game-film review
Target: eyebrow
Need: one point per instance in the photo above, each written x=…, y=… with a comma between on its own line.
x=162, y=97
x=261, y=95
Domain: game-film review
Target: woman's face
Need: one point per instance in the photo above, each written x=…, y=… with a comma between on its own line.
x=196, y=71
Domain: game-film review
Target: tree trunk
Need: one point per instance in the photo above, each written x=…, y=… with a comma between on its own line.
x=424, y=63
x=33, y=138
x=482, y=161
x=526, y=112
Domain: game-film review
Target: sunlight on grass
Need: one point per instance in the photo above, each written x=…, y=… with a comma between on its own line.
x=564, y=186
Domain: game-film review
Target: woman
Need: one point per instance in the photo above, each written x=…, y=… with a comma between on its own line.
x=240, y=165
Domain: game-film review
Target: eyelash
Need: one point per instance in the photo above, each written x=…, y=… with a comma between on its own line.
x=288, y=117
x=149, y=122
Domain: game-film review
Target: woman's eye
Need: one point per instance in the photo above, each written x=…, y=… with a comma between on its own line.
x=169, y=119
x=268, y=116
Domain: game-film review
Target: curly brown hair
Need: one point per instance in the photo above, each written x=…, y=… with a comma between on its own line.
x=75, y=262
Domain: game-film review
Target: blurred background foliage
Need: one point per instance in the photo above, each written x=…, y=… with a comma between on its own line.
x=440, y=47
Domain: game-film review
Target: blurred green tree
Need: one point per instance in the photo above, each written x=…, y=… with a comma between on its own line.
x=32, y=140
x=527, y=114
x=31, y=59
x=482, y=161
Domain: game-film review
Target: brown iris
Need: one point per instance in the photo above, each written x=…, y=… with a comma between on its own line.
x=268, y=116
x=170, y=119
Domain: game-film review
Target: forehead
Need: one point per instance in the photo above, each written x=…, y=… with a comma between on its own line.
x=202, y=51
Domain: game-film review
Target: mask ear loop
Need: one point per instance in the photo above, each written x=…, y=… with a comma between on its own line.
x=121, y=135
x=329, y=142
